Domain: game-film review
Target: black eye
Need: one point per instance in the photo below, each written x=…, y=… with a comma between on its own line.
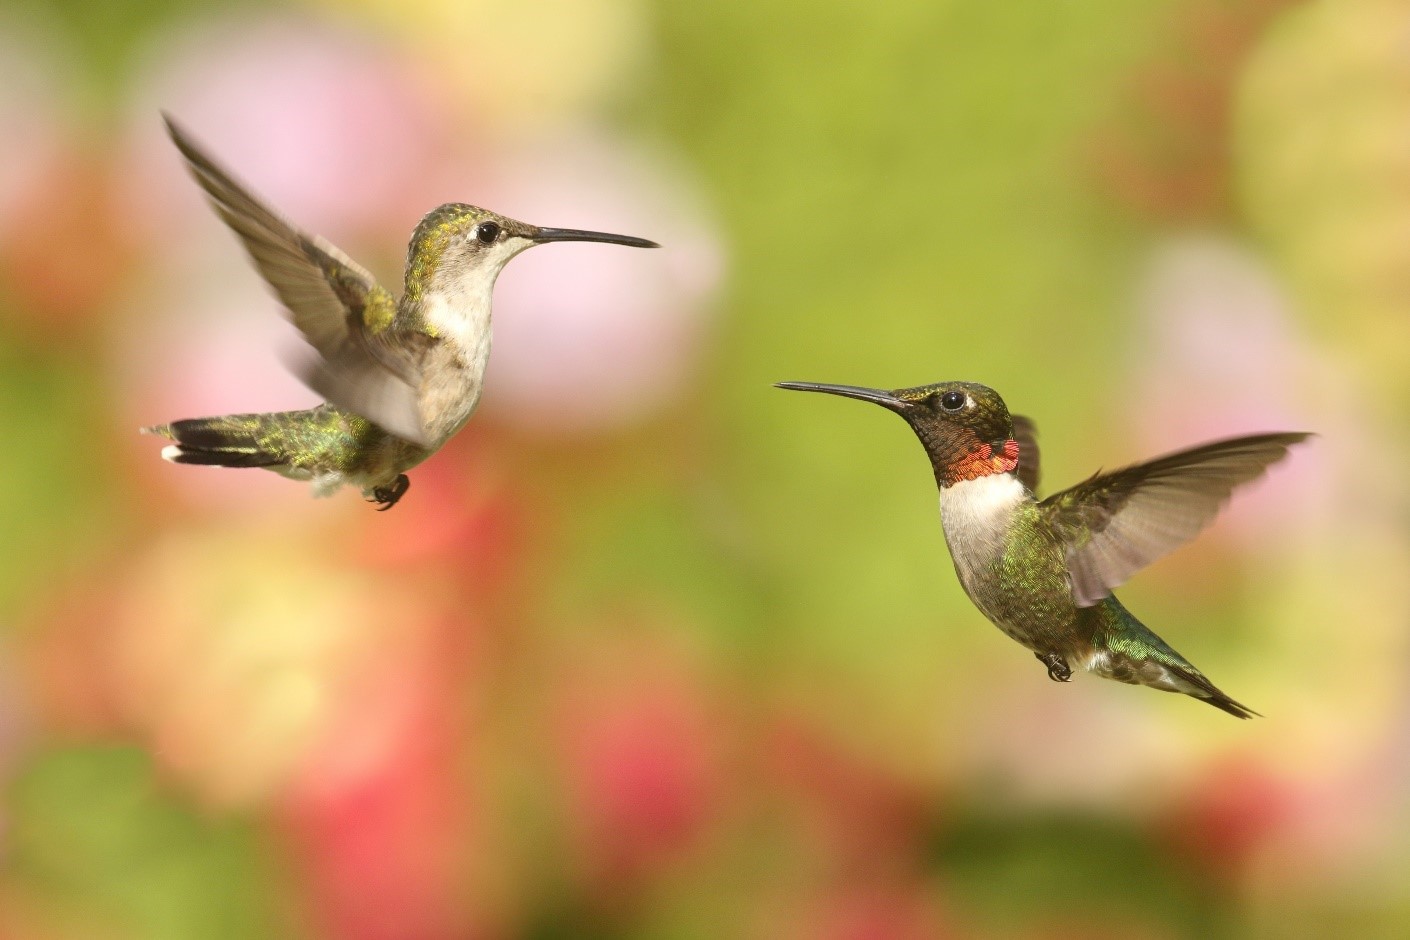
x=952, y=401
x=487, y=232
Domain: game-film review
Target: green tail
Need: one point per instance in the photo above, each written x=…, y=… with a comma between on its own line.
x=249, y=440
x=1133, y=653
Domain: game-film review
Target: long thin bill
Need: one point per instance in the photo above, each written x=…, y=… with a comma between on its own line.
x=578, y=235
x=875, y=395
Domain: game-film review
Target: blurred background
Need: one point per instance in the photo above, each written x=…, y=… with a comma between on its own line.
x=653, y=649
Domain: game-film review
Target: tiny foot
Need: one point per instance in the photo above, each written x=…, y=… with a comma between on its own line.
x=1058, y=669
x=387, y=496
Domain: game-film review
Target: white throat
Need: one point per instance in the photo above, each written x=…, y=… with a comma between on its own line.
x=457, y=302
x=459, y=310
x=976, y=515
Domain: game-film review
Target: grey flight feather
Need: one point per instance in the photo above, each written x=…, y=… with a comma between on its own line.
x=1025, y=435
x=329, y=298
x=1116, y=523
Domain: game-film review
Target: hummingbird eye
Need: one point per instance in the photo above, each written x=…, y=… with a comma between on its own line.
x=952, y=401
x=486, y=232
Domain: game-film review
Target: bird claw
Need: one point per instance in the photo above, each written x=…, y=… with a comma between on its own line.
x=1058, y=669
x=388, y=496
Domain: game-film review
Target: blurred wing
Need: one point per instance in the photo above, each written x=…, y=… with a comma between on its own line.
x=1025, y=434
x=362, y=386
x=335, y=303
x=1117, y=523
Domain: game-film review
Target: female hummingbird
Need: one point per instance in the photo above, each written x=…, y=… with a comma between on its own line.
x=1043, y=571
x=400, y=376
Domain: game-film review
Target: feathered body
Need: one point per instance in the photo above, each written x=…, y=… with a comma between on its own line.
x=401, y=376
x=1042, y=571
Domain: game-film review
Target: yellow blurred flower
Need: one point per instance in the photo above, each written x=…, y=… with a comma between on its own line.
x=233, y=651
x=517, y=65
x=1322, y=162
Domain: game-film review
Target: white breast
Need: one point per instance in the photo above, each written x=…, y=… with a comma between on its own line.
x=461, y=315
x=452, y=379
x=976, y=515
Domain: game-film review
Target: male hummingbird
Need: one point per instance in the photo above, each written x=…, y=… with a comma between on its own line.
x=1043, y=571
x=399, y=376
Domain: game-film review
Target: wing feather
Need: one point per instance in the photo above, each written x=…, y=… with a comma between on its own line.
x=1116, y=523
x=342, y=311
x=1025, y=434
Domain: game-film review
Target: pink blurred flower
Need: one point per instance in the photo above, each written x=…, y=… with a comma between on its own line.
x=206, y=345
x=1091, y=744
x=262, y=675
x=324, y=124
x=594, y=337
x=1221, y=356
x=334, y=134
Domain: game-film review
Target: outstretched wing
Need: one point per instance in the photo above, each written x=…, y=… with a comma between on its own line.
x=337, y=305
x=1117, y=523
x=1025, y=435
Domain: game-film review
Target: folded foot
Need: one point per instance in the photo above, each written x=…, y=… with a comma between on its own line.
x=1058, y=669
x=387, y=496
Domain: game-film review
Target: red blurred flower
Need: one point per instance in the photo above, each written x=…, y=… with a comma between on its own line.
x=642, y=747
x=388, y=832
x=461, y=521
x=67, y=656
x=1169, y=155
x=899, y=910
x=64, y=249
x=1231, y=812
x=864, y=817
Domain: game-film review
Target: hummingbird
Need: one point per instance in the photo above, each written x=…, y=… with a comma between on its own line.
x=1043, y=571
x=400, y=376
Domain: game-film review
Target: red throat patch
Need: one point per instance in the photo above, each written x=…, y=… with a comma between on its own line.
x=984, y=461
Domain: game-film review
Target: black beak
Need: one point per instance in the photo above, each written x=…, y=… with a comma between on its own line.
x=541, y=235
x=875, y=395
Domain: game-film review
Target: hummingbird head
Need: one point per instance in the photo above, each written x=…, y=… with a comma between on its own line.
x=965, y=427
x=456, y=242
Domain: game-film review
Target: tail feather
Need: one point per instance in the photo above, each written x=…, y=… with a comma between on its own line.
x=1129, y=651
x=1209, y=692
x=226, y=441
